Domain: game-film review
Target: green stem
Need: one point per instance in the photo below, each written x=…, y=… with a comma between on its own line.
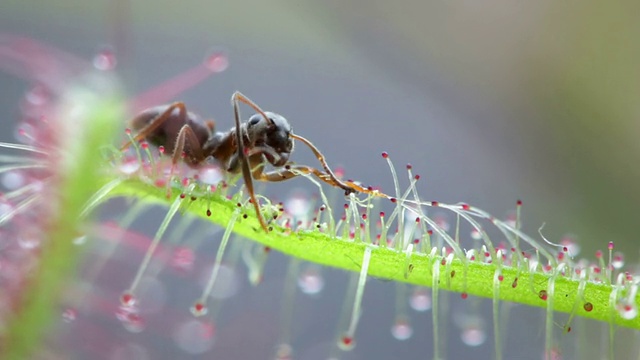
x=76, y=178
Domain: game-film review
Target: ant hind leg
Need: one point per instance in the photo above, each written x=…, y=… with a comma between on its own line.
x=156, y=122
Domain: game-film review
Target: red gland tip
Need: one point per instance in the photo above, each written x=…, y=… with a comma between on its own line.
x=543, y=295
x=385, y=154
x=588, y=307
x=127, y=299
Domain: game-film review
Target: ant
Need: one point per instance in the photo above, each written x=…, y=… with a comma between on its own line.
x=265, y=137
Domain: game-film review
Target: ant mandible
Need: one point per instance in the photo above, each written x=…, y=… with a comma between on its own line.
x=265, y=137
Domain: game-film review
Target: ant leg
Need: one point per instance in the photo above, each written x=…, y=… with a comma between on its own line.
x=195, y=155
x=157, y=122
x=239, y=97
x=244, y=161
x=296, y=170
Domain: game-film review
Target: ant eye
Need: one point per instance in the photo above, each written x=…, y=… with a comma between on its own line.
x=255, y=119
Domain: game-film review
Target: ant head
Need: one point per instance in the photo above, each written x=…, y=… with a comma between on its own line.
x=273, y=133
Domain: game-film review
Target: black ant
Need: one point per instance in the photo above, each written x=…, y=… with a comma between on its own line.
x=266, y=136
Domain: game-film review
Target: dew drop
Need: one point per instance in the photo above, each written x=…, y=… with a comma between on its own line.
x=154, y=293
x=401, y=330
x=473, y=335
x=476, y=235
x=569, y=241
x=182, y=259
x=420, y=300
x=310, y=281
x=210, y=175
x=25, y=133
x=618, y=261
x=13, y=180
x=298, y=205
x=105, y=59
x=194, y=337
x=69, y=315
x=29, y=239
x=80, y=240
x=37, y=96
x=442, y=222
x=217, y=62
x=130, y=166
x=628, y=311
x=226, y=284
x=511, y=220
x=130, y=319
x=284, y=352
x=553, y=354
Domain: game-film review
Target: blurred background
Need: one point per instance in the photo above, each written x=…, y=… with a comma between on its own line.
x=490, y=101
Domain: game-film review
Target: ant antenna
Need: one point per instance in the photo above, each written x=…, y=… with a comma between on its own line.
x=349, y=186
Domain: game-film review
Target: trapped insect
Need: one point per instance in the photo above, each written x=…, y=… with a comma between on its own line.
x=266, y=137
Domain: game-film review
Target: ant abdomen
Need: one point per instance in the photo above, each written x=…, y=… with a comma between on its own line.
x=165, y=133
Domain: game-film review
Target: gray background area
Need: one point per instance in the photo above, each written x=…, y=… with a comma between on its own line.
x=490, y=101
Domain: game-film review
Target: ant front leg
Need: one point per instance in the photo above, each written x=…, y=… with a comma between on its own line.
x=241, y=154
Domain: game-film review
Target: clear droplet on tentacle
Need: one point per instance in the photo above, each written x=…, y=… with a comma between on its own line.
x=105, y=59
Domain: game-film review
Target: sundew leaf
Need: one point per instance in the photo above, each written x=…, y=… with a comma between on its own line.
x=522, y=283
